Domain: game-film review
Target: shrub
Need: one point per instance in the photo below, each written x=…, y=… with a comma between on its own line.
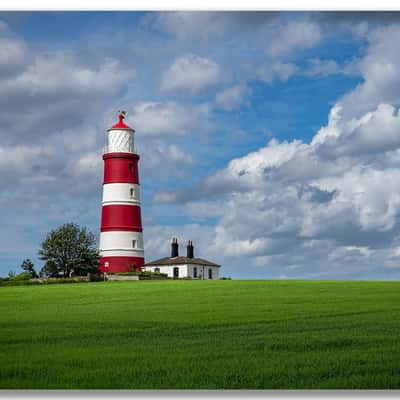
x=24, y=276
x=95, y=277
x=10, y=282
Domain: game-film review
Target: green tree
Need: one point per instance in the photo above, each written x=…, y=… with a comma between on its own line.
x=69, y=250
x=28, y=267
x=49, y=268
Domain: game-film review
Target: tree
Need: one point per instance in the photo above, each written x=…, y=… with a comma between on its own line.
x=68, y=250
x=49, y=269
x=28, y=266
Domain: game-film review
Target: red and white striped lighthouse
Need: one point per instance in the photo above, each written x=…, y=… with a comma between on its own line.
x=121, y=238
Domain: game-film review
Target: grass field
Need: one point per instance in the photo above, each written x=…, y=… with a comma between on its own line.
x=199, y=334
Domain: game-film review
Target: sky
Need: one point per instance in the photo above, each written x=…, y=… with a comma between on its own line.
x=269, y=139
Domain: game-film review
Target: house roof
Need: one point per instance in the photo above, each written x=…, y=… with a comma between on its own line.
x=180, y=261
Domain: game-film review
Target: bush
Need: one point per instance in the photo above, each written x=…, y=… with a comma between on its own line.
x=24, y=276
x=21, y=281
x=51, y=281
x=146, y=274
x=11, y=282
x=95, y=277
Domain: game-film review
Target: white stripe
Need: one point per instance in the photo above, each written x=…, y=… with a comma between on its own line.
x=128, y=203
x=121, y=193
x=125, y=241
x=122, y=253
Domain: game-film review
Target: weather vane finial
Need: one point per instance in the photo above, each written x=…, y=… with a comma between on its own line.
x=121, y=115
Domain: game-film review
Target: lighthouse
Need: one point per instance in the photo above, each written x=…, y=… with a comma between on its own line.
x=121, y=237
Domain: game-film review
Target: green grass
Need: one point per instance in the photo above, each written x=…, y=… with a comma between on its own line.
x=203, y=335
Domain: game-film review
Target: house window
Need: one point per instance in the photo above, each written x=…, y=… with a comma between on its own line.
x=133, y=243
x=176, y=272
x=156, y=269
x=194, y=272
x=132, y=192
x=209, y=273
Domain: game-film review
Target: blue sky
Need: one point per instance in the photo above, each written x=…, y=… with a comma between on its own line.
x=269, y=139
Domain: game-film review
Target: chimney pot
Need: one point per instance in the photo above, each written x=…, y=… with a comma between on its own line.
x=174, y=247
x=189, y=249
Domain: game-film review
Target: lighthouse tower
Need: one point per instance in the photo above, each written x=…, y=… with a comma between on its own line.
x=121, y=238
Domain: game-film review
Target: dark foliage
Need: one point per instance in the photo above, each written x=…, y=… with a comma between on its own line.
x=69, y=250
x=28, y=267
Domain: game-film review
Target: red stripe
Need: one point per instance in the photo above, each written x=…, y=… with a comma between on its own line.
x=121, y=168
x=119, y=217
x=121, y=264
x=122, y=228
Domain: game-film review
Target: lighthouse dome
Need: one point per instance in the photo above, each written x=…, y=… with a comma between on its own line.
x=121, y=124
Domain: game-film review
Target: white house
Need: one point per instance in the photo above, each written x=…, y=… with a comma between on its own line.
x=184, y=267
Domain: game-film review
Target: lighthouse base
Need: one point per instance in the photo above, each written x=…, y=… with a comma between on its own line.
x=121, y=264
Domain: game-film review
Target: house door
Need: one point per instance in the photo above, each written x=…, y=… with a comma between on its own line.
x=210, y=273
x=176, y=272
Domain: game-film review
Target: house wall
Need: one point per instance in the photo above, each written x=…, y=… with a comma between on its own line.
x=169, y=270
x=186, y=271
x=202, y=271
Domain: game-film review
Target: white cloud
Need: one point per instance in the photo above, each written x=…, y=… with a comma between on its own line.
x=318, y=67
x=277, y=70
x=12, y=53
x=232, y=98
x=184, y=24
x=56, y=92
x=167, y=160
x=169, y=118
x=379, y=68
x=191, y=73
x=18, y=161
x=42, y=77
x=313, y=209
x=88, y=164
x=293, y=36
x=375, y=132
x=206, y=25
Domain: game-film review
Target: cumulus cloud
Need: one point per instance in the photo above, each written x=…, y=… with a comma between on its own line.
x=379, y=69
x=42, y=77
x=277, y=70
x=319, y=67
x=266, y=211
x=191, y=73
x=293, y=35
x=55, y=92
x=324, y=209
x=375, y=132
x=232, y=98
x=169, y=118
x=168, y=160
x=187, y=24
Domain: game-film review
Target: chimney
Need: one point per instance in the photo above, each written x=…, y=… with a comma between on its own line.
x=174, y=248
x=189, y=248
